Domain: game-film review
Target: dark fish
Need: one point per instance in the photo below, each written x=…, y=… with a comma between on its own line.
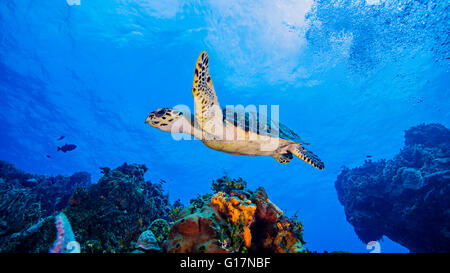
x=368, y=156
x=67, y=148
x=61, y=137
x=48, y=156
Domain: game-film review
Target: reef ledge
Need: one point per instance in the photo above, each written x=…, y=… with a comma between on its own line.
x=406, y=198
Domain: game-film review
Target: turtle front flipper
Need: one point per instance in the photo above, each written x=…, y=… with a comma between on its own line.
x=308, y=156
x=207, y=110
x=283, y=158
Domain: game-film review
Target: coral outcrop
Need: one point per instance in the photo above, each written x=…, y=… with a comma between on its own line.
x=407, y=198
x=27, y=199
x=237, y=220
x=147, y=242
x=108, y=216
x=117, y=209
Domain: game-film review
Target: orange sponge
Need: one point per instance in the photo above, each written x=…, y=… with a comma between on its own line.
x=233, y=208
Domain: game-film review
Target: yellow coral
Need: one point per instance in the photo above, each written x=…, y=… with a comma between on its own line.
x=280, y=227
x=236, y=210
x=247, y=237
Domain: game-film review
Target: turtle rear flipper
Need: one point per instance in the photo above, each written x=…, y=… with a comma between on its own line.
x=308, y=156
x=283, y=158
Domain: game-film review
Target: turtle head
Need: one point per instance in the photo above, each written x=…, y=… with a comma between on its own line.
x=164, y=119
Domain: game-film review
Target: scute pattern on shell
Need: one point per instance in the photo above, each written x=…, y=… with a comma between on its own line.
x=269, y=127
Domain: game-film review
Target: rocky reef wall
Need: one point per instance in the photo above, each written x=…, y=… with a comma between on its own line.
x=406, y=198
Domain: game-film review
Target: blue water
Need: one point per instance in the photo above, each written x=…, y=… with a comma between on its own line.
x=349, y=77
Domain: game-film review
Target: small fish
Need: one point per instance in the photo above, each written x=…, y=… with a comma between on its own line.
x=67, y=148
x=32, y=180
x=368, y=156
x=61, y=137
x=48, y=156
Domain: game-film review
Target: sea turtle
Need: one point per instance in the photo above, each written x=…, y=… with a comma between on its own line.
x=250, y=133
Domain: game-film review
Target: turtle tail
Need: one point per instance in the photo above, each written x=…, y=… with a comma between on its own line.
x=309, y=157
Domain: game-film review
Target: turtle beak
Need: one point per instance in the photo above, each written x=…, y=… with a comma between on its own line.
x=147, y=120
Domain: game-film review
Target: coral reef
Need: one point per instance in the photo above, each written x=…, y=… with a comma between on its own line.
x=124, y=213
x=277, y=233
x=117, y=209
x=27, y=199
x=238, y=220
x=108, y=216
x=407, y=198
